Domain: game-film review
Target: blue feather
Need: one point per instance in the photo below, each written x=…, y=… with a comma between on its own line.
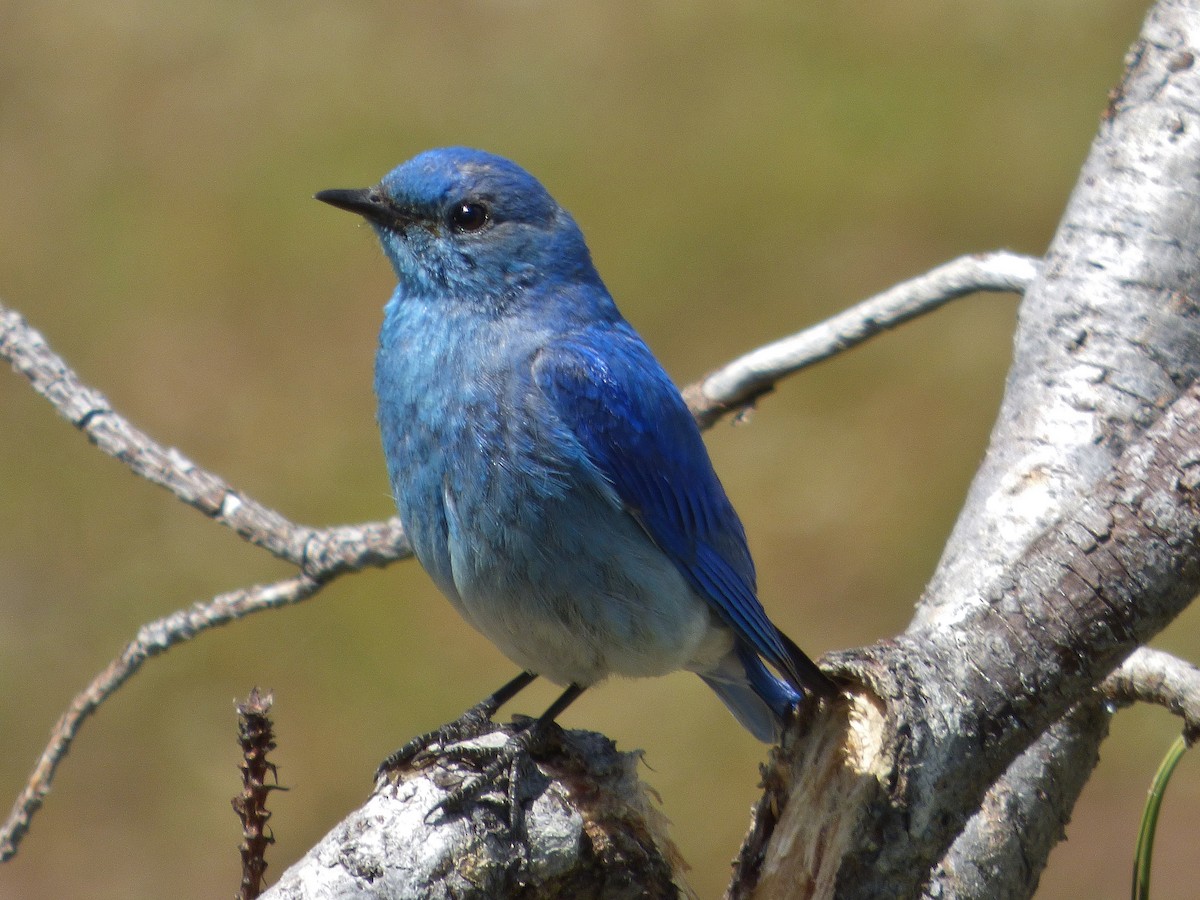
x=633, y=425
x=548, y=473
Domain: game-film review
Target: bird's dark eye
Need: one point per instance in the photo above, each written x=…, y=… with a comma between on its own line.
x=469, y=216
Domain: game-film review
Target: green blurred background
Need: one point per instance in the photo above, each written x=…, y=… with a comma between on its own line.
x=740, y=169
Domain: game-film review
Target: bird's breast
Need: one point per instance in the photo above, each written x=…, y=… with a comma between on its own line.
x=515, y=524
x=464, y=429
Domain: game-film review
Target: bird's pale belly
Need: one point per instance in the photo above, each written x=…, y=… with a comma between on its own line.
x=575, y=603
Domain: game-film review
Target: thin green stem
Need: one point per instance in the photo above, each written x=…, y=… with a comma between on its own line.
x=1145, y=841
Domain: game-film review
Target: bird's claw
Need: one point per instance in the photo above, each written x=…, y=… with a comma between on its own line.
x=417, y=753
x=503, y=772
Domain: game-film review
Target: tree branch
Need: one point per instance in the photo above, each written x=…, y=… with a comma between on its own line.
x=738, y=384
x=1108, y=329
x=1000, y=853
x=590, y=831
x=1042, y=568
x=946, y=711
x=152, y=639
x=88, y=410
x=965, y=701
x=997, y=855
x=1152, y=676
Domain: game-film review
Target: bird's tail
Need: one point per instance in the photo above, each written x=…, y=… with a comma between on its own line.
x=758, y=699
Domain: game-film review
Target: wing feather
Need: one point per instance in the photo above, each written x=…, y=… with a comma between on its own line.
x=633, y=426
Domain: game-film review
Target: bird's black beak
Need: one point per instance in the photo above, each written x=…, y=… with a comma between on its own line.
x=367, y=202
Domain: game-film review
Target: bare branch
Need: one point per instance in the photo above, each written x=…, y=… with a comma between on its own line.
x=733, y=386
x=1088, y=592
x=1000, y=853
x=592, y=829
x=256, y=738
x=89, y=411
x=324, y=556
x=1108, y=337
x=152, y=639
x=738, y=384
x=320, y=554
x=1152, y=676
x=997, y=855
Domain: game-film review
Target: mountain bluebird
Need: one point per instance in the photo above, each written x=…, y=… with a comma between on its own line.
x=546, y=470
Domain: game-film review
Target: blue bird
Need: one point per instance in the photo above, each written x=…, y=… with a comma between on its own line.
x=547, y=472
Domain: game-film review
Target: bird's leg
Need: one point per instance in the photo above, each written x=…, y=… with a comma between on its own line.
x=505, y=767
x=471, y=723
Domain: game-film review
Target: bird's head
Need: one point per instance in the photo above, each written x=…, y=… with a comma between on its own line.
x=468, y=224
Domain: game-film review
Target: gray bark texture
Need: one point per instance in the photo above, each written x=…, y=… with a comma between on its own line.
x=952, y=761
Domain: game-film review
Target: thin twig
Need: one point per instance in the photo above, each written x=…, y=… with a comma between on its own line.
x=256, y=738
x=152, y=639
x=1152, y=676
x=89, y=411
x=323, y=554
x=738, y=384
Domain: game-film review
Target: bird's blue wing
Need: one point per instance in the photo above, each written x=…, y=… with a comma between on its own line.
x=634, y=427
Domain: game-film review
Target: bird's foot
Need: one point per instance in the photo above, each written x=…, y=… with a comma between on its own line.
x=474, y=723
x=501, y=768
